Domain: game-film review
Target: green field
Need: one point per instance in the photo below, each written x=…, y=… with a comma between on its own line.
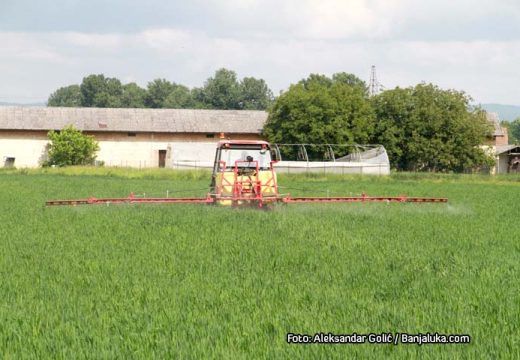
x=197, y=281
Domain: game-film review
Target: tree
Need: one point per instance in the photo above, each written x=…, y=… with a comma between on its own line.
x=427, y=128
x=254, y=94
x=198, y=98
x=319, y=79
x=71, y=147
x=179, y=98
x=98, y=91
x=514, y=131
x=133, y=96
x=157, y=93
x=221, y=91
x=321, y=110
x=68, y=96
x=351, y=80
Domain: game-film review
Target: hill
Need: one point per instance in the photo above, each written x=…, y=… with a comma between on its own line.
x=18, y=104
x=505, y=112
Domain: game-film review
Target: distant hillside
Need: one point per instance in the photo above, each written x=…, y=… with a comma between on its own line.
x=505, y=112
x=17, y=104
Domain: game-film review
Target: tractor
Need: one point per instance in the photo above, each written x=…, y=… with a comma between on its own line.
x=244, y=175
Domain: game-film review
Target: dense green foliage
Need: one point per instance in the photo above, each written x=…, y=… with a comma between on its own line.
x=68, y=96
x=223, y=91
x=161, y=93
x=71, y=147
x=423, y=128
x=254, y=94
x=195, y=281
x=514, y=131
x=427, y=128
x=133, y=96
x=320, y=110
x=100, y=91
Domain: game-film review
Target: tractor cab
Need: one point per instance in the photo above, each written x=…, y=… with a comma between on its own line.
x=243, y=173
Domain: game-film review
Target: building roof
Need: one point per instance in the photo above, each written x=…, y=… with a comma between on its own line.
x=133, y=120
x=495, y=121
x=500, y=149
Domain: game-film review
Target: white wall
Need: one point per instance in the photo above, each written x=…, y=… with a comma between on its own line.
x=29, y=150
x=146, y=153
x=502, y=163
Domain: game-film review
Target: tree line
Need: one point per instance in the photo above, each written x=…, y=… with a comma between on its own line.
x=423, y=127
x=222, y=91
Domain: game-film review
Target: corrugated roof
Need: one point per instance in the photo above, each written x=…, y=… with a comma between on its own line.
x=500, y=149
x=494, y=119
x=133, y=120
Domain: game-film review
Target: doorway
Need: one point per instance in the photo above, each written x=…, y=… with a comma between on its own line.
x=8, y=162
x=162, y=158
x=514, y=164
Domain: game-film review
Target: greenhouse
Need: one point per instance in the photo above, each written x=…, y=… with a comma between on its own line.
x=332, y=158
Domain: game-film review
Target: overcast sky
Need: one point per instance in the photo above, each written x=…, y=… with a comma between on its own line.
x=470, y=45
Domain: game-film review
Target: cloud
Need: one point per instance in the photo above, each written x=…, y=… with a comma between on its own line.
x=90, y=40
x=311, y=19
x=336, y=19
x=355, y=20
x=169, y=40
x=465, y=44
x=48, y=60
x=27, y=47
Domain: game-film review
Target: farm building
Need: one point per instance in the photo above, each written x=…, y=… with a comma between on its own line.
x=127, y=137
x=177, y=138
x=499, y=136
x=507, y=157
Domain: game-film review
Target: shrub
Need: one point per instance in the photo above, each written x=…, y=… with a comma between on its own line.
x=71, y=147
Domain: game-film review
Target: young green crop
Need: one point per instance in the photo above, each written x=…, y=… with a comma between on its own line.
x=198, y=281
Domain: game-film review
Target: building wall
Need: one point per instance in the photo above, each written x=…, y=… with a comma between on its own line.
x=502, y=140
x=502, y=163
x=29, y=148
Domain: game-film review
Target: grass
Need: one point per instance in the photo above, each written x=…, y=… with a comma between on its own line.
x=195, y=281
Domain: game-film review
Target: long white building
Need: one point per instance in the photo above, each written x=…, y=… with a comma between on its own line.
x=127, y=137
x=177, y=138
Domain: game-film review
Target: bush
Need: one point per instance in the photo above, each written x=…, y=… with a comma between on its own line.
x=71, y=147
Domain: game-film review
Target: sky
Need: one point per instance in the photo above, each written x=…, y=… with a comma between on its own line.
x=469, y=45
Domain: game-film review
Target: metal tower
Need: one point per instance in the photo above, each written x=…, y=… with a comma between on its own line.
x=374, y=87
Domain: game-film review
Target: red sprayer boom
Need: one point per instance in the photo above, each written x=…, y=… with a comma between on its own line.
x=243, y=174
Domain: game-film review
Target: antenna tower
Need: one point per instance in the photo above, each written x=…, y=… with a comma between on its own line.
x=374, y=87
